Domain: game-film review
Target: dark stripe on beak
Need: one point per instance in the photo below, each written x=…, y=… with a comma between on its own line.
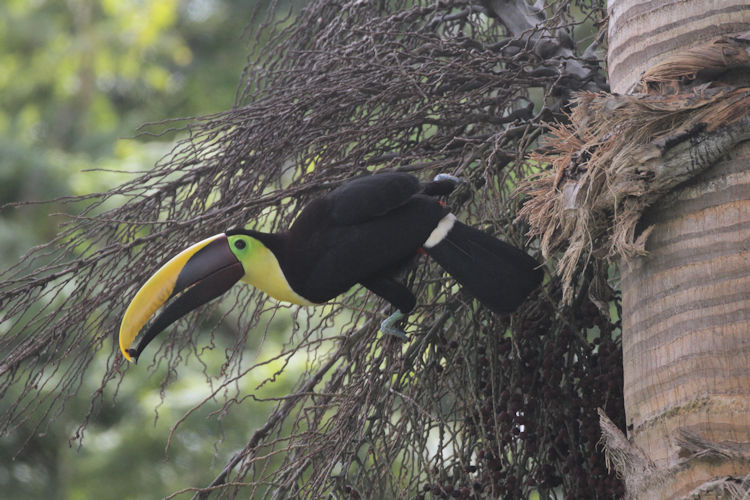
x=208, y=274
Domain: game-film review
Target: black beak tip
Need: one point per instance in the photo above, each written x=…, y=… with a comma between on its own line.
x=200, y=290
x=133, y=354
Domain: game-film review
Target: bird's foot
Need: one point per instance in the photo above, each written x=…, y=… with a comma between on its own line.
x=448, y=177
x=387, y=326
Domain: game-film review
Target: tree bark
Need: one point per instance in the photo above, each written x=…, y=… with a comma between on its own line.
x=686, y=305
x=643, y=33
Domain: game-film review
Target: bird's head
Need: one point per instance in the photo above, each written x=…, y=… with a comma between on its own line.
x=195, y=276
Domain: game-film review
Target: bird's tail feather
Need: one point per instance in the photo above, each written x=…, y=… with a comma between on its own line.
x=496, y=273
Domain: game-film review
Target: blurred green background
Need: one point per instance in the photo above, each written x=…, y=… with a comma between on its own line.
x=78, y=78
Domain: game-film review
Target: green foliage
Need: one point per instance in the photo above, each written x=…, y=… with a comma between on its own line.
x=475, y=402
x=79, y=77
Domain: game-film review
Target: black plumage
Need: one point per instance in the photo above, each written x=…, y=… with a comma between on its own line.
x=366, y=230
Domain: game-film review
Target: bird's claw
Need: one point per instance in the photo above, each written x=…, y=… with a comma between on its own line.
x=387, y=326
x=448, y=177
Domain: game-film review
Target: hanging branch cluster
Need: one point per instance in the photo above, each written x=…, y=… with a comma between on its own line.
x=618, y=154
x=474, y=402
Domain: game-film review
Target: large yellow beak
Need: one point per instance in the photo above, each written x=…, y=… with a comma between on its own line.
x=205, y=270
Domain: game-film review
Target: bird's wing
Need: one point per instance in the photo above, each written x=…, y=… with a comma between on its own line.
x=327, y=261
x=369, y=197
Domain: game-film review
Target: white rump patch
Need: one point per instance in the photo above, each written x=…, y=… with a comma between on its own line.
x=441, y=231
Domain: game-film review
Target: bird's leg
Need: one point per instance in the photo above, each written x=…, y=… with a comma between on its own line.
x=448, y=177
x=387, y=326
x=441, y=185
x=397, y=294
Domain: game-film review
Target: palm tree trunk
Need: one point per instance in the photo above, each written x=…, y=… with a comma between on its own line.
x=686, y=306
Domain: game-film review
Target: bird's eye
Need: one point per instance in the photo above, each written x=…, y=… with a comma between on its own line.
x=240, y=245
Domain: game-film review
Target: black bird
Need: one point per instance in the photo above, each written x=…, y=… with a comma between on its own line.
x=363, y=232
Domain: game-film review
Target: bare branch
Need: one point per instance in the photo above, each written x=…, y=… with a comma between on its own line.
x=474, y=403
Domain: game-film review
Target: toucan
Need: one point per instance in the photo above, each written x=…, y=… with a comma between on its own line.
x=364, y=232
